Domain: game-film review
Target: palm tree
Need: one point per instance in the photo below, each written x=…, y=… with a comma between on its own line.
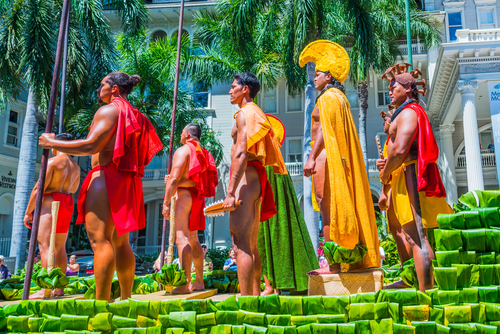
x=28, y=37
x=266, y=37
x=154, y=62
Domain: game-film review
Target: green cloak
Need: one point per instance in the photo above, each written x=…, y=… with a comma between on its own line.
x=285, y=247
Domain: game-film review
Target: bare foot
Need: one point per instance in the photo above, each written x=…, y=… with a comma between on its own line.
x=267, y=291
x=334, y=269
x=397, y=285
x=198, y=286
x=182, y=290
x=57, y=293
x=38, y=295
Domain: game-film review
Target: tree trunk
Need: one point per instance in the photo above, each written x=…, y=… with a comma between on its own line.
x=363, y=106
x=311, y=217
x=25, y=180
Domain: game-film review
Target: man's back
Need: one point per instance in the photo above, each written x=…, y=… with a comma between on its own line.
x=65, y=175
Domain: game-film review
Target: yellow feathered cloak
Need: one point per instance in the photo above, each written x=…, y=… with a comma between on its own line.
x=352, y=216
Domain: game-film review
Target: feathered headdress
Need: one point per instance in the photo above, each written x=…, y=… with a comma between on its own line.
x=399, y=73
x=328, y=57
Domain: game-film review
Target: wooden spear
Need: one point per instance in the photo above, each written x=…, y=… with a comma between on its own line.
x=171, y=147
x=63, y=75
x=45, y=156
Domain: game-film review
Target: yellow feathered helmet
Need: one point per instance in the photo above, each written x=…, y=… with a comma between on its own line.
x=328, y=57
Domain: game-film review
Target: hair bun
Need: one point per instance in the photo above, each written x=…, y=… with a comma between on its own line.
x=134, y=80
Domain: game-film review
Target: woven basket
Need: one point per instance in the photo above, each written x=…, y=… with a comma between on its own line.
x=346, y=283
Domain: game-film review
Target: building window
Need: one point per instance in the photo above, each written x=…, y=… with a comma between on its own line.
x=454, y=20
x=486, y=17
x=294, y=103
x=269, y=100
x=200, y=93
x=351, y=93
x=13, y=129
x=294, y=150
x=383, y=93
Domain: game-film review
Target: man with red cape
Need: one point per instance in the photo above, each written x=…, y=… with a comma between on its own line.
x=122, y=142
x=417, y=193
x=193, y=178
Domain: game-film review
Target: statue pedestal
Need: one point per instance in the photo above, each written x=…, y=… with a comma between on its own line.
x=370, y=280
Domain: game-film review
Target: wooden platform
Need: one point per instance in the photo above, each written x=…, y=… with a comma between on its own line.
x=346, y=283
x=160, y=295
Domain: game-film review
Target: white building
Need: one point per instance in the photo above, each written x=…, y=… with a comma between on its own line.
x=457, y=73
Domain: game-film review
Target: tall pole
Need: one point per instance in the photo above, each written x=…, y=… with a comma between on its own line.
x=172, y=127
x=408, y=32
x=63, y=75
x=45, y=156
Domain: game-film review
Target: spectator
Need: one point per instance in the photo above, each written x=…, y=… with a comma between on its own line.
x=230, y=263
x=4, y=271
x=481, y=146
x=73, y=268
x=37, y=258
x=382, y=253
x=491, y=146
x=207, y=262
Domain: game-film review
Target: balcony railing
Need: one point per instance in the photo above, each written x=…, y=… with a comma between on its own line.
x=487, y=159
x=477, y=35
x=416, y=47
x=5, y=246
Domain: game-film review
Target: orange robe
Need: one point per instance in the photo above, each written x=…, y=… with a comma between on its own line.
x=352, y=216
x=264, y=146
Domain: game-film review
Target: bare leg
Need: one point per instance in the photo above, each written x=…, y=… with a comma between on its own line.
x=257, y=264
x=197, y=260
x=100, y=229
x=125, y=264
x=268, y=289
x=61, y=260
x=43, y=238
x=404, y=248
x=242, y=223
x=416, y=235
x=182, y=213
x=322, y=192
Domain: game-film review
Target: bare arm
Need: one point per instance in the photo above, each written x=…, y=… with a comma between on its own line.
x=319, y=145
x=179, y=164
x=31, y=203
x=406, y=130
x=103, y=129
x=238, y=161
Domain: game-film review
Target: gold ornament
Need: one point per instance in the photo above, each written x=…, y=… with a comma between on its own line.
x=328, y=57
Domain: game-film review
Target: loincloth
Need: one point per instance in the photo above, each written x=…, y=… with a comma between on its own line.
x=126, y=199
x=268, y=208
x=197, y=217
x=65, y=210
x=430, y=207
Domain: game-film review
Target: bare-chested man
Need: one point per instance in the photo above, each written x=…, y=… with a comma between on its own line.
x=254, y=147
x=192, y=178
x=341, y=189
x=122, y=142
x=417, y=192
x=62, y=180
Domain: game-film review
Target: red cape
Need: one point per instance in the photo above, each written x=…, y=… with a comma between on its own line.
x=202, y=170
x=428, y=177
x=136, y=139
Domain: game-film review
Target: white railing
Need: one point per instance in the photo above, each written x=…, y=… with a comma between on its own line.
x=5, y=246
x=294, y=168
x=416, y=47
x=487, y=160
x=154, y=174
x=477, y=35
x=372, y=166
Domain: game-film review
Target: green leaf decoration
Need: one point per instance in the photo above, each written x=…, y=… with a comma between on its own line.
x=53, y=280
x=170, y=275
x=336, y=254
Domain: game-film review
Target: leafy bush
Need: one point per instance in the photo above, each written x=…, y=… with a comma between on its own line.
x=218, y=256
x=391, y=251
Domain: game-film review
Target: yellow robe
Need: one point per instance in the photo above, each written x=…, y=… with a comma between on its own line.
x=352, y=216
x=430, y=207
x=261, y=141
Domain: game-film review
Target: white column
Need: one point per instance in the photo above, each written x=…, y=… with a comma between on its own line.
x=449, y=178
x=471, y=135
